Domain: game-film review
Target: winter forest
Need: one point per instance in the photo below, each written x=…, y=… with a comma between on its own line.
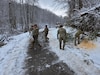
x=18, y=54
x=18, y=16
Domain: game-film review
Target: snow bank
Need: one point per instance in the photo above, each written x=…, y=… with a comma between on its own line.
x=13, y=54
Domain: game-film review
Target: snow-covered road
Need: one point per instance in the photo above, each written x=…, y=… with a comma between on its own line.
x=81, y=61
x=42, y=61
x=76, y=58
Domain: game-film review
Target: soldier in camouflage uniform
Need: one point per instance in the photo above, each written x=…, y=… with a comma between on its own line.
x=46, y=30
x=61, y=35
x=77, y=36
x=35, y=33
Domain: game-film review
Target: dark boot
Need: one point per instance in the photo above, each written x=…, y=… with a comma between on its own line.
x=75, y=41
x=79, y=40
x=63, y=45
x=60, y=46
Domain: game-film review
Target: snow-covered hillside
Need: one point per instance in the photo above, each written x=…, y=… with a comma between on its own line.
x=82, y=61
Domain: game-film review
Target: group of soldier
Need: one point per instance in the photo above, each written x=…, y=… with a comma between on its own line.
x=61, y=35
x=34, y=31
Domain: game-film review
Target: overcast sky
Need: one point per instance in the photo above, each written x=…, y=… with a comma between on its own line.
x=50, y=5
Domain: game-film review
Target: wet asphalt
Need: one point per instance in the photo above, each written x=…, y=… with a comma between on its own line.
x=41, y=61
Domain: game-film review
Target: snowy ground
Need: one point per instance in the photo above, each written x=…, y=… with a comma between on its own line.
x=80, y=60
x=13, y=54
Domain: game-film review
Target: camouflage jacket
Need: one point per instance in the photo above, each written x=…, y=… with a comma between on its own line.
x=61, y=33
x=35, y=31
x=78, y=33
x=31, y=29
x=46, y=30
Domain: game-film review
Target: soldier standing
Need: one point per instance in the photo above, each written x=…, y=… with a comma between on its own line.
x=46, y=30
x=35, y=33
x=61, y=35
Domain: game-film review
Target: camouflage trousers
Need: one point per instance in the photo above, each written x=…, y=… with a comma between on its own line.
x=36, y=40
x=46, y=38
x=62, y=42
